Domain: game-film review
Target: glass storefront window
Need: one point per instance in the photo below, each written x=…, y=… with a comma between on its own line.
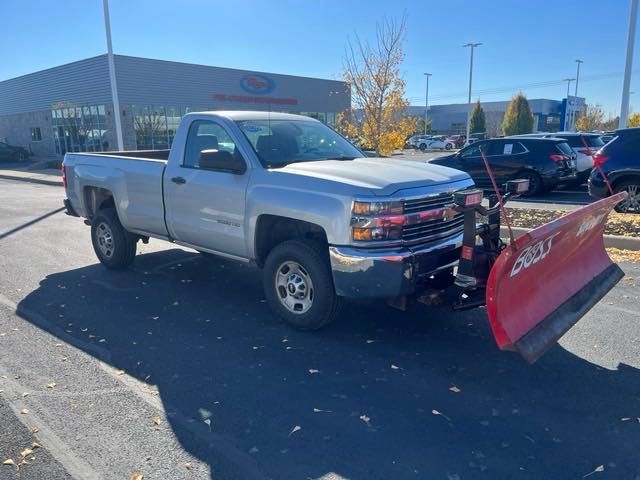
x=79, y=128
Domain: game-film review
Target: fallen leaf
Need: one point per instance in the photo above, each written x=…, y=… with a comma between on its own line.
x=35, y=429
x=313, y=370
x=157, y=420
x=26, y=452
x=297, y=428
x=51, y=385
x=436, y=412
x=137, y=476
x=24, y=411
x=9, y=461
x=599, y=468
x=365, y=419
x=188, y=466
x=455, y=389
x=25, y=394
x=119, y=372
x=35, y=445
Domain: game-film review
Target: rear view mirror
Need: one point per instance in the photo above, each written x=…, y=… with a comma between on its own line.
x=221, y=160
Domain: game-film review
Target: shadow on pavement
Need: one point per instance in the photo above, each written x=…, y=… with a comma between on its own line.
x=371, y=394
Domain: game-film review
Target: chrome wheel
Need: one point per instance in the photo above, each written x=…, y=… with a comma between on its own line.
x=294, y=287
x=105, y=239
x=632, y=202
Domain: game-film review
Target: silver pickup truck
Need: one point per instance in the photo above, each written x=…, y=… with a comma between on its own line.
x=284, y=192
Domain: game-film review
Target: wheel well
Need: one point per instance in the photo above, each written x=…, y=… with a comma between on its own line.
x=624, y=178
x=271, y=230
x=97, y=198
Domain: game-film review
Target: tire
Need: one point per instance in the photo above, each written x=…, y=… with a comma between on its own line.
x=113, y=245
x=302, y=296
x=448, y=146
x=632, y=203
x=422, y=147
x=19, y=157
x=536, y=186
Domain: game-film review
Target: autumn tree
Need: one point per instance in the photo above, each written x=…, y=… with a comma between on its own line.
x=634, y=120
x=518, y=118
x=592, y=118
x=478, y=121
x=378, y=119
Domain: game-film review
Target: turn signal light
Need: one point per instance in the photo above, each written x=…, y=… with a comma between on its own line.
x=373, y=234
x=377, y=208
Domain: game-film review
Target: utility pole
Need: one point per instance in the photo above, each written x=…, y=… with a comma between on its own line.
x=472, y=46
x=624, y=107
x=112, y=77
x=426, y=103
x=577, y=77
x=568, y=80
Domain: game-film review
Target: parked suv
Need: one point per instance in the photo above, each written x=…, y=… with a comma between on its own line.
x=11, y=153
x=584, y=144
x=545, y=162
x=620, y=161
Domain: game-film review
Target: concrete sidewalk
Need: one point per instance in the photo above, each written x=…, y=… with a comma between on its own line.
x=48, y=176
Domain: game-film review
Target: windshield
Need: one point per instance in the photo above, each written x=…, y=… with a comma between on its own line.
x=281, y=142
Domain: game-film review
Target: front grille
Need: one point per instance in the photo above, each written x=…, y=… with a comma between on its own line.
x=427, y=203
x=433, y=229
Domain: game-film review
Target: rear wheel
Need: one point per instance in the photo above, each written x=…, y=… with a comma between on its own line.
x=19, y=157
x=632, y=203
x=448, y=146
x=422, y=147
x=114, y=246
x=298, y=285
x=535, y=182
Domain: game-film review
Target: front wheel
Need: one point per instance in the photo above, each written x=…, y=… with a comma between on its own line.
x=448, y=146
x=298, y=285
x=423, y=147
x=632, y=203
x=113, y=245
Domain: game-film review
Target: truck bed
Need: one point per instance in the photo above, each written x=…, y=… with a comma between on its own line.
x=135, y=180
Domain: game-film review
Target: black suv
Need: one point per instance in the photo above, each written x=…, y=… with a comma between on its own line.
x=620, y=161
x=545, y=162
x=12, y=153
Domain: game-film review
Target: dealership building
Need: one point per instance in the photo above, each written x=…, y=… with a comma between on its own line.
x=69, y=108
x=549, y=115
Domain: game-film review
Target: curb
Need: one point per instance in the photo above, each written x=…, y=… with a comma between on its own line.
x=41, y=181
x=610, y=241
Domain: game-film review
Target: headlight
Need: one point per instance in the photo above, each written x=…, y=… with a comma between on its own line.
x=377, y=208
x=377, y=221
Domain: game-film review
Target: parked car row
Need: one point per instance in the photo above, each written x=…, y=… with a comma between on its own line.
x=431, y=142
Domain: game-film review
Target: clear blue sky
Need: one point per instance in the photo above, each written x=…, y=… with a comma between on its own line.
x=525, y=42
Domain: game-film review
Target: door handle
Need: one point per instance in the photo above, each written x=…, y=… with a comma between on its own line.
x=178, y=180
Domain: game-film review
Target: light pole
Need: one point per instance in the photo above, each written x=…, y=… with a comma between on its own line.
x=112, y=77
x=624, y=107
x=577, y=77
x=472, y=46
x=426, y=102
x=567, y=112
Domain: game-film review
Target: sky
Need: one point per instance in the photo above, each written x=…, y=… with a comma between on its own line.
x=528, y=46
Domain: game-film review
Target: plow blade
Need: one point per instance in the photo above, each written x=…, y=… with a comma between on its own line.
x=555, y=274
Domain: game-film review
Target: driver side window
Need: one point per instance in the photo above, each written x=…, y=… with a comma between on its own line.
x=472, y=151
x=206, y=135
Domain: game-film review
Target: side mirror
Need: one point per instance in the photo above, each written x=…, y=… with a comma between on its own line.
x=221, y=160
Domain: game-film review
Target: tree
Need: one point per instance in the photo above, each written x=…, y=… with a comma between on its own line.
x=420, y=126
x=378, y=119
x=610, y=124
x=634, y=120
x=518, y=118
x=590, y=119
x=478, y=121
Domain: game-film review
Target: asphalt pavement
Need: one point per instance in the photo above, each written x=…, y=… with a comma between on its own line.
x=176, y=369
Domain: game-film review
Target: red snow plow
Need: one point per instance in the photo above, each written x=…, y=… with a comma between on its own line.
x=537, y=287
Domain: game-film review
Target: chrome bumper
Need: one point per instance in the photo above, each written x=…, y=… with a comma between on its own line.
x=387, y=273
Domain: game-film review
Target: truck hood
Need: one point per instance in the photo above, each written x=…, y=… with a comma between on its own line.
x=383, y=176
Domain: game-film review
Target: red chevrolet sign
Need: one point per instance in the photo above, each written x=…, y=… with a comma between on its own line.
x=223, y=97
